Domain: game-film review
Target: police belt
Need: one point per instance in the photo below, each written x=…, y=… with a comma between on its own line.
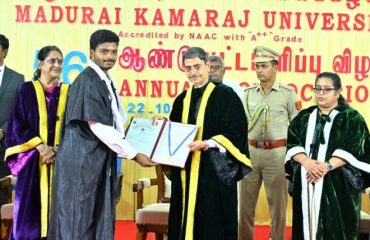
x=268, y=144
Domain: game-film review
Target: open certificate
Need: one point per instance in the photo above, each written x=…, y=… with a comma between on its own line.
x=167, y=143
x=143, y=135
x=172, y=148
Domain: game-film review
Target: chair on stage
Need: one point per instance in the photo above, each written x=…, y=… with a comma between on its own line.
x=365, y=221
x=118, y=187
x=6, y=209
x=153, y=217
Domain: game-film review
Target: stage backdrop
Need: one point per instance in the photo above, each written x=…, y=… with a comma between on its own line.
x=312, y=36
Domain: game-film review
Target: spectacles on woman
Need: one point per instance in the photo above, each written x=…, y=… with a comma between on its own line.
x=324, y=90
x=52, y=61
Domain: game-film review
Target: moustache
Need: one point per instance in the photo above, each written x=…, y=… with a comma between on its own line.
x=194, y=76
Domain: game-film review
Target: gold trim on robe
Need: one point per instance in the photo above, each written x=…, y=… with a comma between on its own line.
x=195, y=159
x=22, y=147
x=45, y=180
x=226, y=143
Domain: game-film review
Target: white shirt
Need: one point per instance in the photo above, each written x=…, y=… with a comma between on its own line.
x=113, y=137
x=2, y=69
x=236, y=87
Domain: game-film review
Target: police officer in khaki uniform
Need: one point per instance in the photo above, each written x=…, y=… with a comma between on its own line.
x=270, y=106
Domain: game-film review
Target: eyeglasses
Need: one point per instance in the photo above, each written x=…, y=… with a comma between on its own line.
x=215, y=67
x=52, y=61
x=323, y=90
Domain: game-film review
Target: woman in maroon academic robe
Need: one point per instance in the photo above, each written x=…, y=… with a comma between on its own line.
x=31, y=140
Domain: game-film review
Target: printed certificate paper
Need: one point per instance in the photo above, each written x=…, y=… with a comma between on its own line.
x=172, y=148
x=142, y=134
x=167, y=143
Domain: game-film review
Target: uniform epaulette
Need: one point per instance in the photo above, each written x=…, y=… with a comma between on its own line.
x=250, y=87
x=286, y=87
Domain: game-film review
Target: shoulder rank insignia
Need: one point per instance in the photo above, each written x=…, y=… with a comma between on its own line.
x=298, y=105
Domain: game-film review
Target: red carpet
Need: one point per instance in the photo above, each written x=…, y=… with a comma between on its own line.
x=126, y=230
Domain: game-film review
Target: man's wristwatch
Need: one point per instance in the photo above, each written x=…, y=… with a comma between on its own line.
x=329, y=166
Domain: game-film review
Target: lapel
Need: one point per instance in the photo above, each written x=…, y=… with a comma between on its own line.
x=6, y=81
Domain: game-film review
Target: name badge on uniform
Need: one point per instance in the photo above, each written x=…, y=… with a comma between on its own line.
x=252, y=104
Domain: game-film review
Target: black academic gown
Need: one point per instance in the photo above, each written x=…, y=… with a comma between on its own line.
x=83, y=206
x=338, y=203
x=209, y=212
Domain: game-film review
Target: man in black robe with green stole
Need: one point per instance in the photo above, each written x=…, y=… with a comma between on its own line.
x=202, y=206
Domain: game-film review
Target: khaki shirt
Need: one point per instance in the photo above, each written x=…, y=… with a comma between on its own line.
x=282, y=106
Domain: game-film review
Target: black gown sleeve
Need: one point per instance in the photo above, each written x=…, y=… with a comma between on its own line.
x=89, y=99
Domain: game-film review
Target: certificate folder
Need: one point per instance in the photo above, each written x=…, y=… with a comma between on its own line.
x=166, y=143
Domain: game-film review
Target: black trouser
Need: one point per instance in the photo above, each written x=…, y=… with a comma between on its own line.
x=4, y=169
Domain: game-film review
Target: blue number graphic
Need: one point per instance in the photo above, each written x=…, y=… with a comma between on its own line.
x=166, y=108
x=158, y=106
x=141, y=108
x=69, y=68
x=131, y=108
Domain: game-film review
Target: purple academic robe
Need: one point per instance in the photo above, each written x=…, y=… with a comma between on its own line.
x=23, y=135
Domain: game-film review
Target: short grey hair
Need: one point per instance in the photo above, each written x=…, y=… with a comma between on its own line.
x=215, y=58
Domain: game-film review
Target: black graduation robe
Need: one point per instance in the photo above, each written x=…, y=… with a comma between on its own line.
x=202, y=207
x=85, y=171
x=338, y=203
